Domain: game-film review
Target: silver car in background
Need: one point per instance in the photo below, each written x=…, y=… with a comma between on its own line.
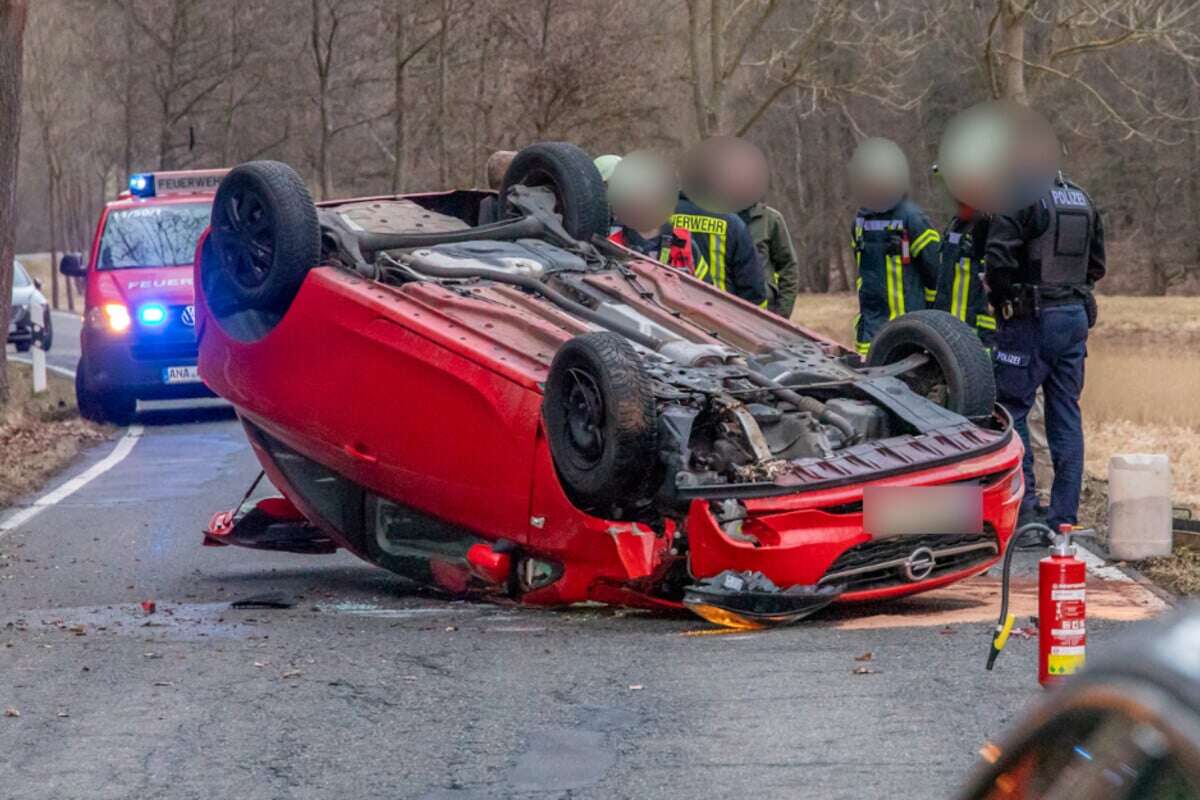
x=20, y=322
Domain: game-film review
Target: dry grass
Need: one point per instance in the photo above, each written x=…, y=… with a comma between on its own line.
x=38, y=436
x=1179, y=573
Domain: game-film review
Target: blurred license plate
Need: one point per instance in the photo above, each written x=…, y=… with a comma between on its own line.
x=181, y=375
x=921, y=510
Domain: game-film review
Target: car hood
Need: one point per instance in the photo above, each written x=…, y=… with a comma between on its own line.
x=24, y=295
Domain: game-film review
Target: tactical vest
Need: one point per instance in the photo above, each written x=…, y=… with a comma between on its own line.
x=1058, y=258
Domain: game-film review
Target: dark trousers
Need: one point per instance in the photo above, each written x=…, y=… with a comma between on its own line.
x=1047, y=351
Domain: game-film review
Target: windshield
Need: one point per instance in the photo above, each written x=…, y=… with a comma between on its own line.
x=20, y=276
x=153, y=236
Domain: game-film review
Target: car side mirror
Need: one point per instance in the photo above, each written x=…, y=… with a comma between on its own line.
x=72, y=265
x=37, y=284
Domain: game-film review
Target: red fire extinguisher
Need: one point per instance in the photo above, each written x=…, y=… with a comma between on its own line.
x=1062, y=610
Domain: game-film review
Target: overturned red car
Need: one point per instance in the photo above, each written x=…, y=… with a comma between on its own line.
x=479, y=392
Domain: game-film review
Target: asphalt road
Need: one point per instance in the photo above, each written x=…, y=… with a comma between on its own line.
x=364, y=689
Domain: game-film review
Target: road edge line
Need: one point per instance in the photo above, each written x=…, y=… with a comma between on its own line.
x=123, y=448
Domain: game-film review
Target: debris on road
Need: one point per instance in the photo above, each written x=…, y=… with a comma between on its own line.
x=11, y=712
x=149, y=606
x=263, y=601
x=867, y=656
x=863, y=671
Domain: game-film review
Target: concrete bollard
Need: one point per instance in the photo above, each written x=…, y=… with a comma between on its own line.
x=1139, y=506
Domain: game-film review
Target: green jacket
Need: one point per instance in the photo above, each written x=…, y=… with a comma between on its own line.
x=780, y=265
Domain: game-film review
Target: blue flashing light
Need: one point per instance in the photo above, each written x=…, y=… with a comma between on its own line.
x=152, y=314
x=141, y=184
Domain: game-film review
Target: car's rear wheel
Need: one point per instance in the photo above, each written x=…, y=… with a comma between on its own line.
x=958, y=374
x=265, y=237
x=601, y=425
x=579, y=193
x=113, y=408
x=24, y=347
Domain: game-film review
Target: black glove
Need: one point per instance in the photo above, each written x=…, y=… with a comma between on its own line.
x=999, y=288
x=1093, y=310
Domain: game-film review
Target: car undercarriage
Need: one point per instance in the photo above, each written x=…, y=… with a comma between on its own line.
x=661, y=403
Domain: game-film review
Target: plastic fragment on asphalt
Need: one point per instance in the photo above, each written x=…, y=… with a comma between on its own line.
x=863, y=671
x=149, y=606
x=11, y=712
x=263, y=601
x=867, y=656
x=990, y=752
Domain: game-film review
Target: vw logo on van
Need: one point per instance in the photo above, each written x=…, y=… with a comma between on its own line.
x=188, y=317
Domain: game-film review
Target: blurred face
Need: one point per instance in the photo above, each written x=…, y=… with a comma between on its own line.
x=879, y=175
x=725, y=174
x=997, y=157
x=643, y=191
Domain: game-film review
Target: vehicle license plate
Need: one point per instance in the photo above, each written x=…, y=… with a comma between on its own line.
x=922, y=510
x=181, y=375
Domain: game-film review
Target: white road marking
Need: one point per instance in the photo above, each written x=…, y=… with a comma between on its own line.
x=68, y=488
x=70, y=373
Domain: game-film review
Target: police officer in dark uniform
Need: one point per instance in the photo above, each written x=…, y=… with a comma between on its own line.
x=1042, y=263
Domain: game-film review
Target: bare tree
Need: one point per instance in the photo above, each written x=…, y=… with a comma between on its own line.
x=742, y=59
x=12, y=36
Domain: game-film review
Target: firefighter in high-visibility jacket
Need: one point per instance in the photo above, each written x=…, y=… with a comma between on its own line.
x=960, y=288
x=897, y=253
x=730, y=261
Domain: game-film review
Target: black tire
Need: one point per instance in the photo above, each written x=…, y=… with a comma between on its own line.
x=960, y=375
x=23, y=347
x=112, y=408
x=265, y=236
x=601, y=425
x=580, y=197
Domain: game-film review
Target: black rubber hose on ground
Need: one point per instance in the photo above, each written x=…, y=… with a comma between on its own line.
x=1014, y=544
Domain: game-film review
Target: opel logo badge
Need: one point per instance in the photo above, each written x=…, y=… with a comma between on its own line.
x=188, y=317
x=919, y=564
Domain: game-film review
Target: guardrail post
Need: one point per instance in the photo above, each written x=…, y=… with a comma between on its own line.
x=37, y=313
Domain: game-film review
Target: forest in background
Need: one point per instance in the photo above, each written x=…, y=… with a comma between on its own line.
x=377, y=96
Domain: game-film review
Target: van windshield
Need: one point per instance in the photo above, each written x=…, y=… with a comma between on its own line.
x=20, y=277
x=153, y=236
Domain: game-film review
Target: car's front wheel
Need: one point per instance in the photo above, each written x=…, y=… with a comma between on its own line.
x=601, y=425
x=958, y=374
x=112, y=408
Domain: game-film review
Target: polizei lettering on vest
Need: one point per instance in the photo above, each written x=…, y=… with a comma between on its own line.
x=1069, y=197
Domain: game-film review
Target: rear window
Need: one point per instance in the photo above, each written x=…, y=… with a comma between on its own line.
x=153, y=236
x=20, y=276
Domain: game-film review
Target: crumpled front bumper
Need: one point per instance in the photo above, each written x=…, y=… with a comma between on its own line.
x=817, y=539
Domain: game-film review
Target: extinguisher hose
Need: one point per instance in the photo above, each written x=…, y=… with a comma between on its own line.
x=1004, y=625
